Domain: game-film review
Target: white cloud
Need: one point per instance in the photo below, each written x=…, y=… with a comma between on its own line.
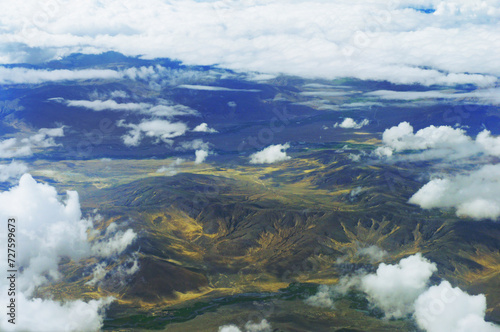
x=324, y=93
x=101, y=105
x=161, y=76
x=319, y=104
x=366, y=40
x=159, y=129
x=52, y=316
x=201, y=155
x=118, y=94
x=263, y=326
x=54, y=229
x=196, y=144
x=165, y=109
x=323, y=298
x=411, y=95
x=229, y=328
x=50, y=229
x=356, y=191
x=443, y=142
x=114, y=245
x=394, y=288
x=362, y=104
x=171, y=169
x=44, y=138
x=402, y=289
x=355, y=157
x=319, y=86
x=202, y=149
x=349, y=123
x=157, y=76
x=481, y=95
x=402, y=138
x=118, y=272
x=21, y=75
x=214, y=88
x=22, y=147
x=476, y=194
x=170, y=110
x=10, y=148
x=271, y=154
x=489, y=143
x=472, y=194
x=203, y=127
x=374, y=253
x=98, y=273
x=12, y=171
x=445, y=308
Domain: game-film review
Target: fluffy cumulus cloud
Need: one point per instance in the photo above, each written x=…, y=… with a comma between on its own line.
x=349, y=123
x=50, y=228
x=271, y=154
x=394, y=288
x=445, y=308
x=53, y=229
x=52, y=316
x=442, y=142
x=490, y=144
x=200, y=156
x=12, y=171
x=159, y=130
x=367, y=40
x=203, y=128
x=475, y=194
x=402, y=290
x=229, y=328
x=23, y=147
x=262, y=326
x=402, y=137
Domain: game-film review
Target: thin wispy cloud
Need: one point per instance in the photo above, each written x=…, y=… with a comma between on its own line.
x=165, y=109
x=481, y=96
x=214, y=88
